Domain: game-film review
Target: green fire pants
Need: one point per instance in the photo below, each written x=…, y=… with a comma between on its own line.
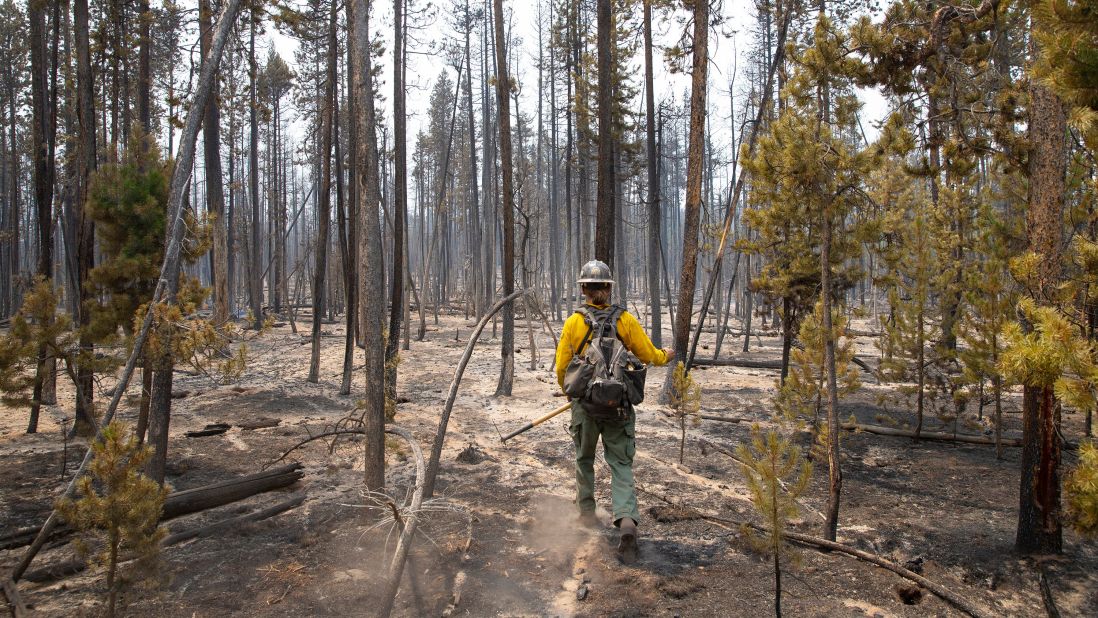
x=619, y=445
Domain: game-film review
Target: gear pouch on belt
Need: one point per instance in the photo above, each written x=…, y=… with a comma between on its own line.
x=633, y=375
x=577, y=376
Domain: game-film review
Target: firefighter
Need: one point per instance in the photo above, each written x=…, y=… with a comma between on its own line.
x=618, y=433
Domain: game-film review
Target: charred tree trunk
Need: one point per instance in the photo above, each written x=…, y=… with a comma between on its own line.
x=1039, y=528
x=42, y=139
x=400, y=201
x=144, y=68
x=255, y=282
x=605, y=212
x=324, y=197
x=371, y=277
x=693, y=184
x=503, y=90
x=654, y=215
x=215, y=189
x=85, y=229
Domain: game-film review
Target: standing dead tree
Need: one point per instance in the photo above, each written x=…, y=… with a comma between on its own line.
x=737, y=189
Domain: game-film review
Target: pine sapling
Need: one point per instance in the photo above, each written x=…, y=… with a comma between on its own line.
x=685, y=402
x=119, y=508
x=776, y=476
x=801, y=398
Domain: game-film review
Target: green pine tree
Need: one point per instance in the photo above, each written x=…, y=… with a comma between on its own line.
x=776, y=476
x=1081, y=491
x=800, y=400
x=991, y=299
x=128, y=202
x=685, y=402
x=118, y=508
x=1067, y=33
x=912, y=265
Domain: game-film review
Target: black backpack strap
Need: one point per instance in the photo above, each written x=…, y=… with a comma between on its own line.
x=613, y=313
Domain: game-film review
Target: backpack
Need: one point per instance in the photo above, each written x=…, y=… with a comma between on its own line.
x=603, y=374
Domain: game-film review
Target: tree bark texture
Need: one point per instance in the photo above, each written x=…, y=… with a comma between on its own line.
x=605, y=211
x=503, y=90
x=654, y=215
x=215, y=188
x=694, y=160
x=371, y=286
x=1039, y=528
x=324, y=197
x=42, y=136
x=256, y=279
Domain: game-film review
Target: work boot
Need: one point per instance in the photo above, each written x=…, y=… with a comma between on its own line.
x=627, y=546
x=588, y=519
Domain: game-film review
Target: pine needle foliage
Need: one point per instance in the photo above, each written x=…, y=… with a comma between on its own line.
x=40, y=326
x=776, y=476
x=991, y=299
x=36, y=325
x=118, y=508
x=801, y=398
x=908, y=329
x=128, y=201
x=1051, y=354
x=685, y=402
x=1067, y=35
x=1081, y=491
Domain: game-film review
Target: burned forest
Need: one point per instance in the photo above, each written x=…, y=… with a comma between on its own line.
x=548, y=308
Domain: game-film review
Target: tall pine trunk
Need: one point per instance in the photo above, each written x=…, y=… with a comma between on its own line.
x=694, y=162
x=255, y=281
x=371, y=276
x=604, y=210
x=324, y=197
x=1039, y=528
x=503, y=89
x=654, y=215
x=215, y=189
x=400, y=201
x=42, y=138
x=85, y=228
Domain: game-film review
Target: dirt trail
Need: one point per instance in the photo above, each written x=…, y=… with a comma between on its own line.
x=948, y=508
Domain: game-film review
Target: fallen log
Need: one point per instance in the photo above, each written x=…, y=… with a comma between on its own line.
x=73, y=566
x=190, y=500
x=929, y=435
x=214, y=429
x=1046, y=593
x=18, y=537
x=747, y=363
x=210, y=496
x=232, y=522
x=724, y=419
x=713, y=417
x=751, y=363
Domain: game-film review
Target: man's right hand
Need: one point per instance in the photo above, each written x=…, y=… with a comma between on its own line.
x=670, y=354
